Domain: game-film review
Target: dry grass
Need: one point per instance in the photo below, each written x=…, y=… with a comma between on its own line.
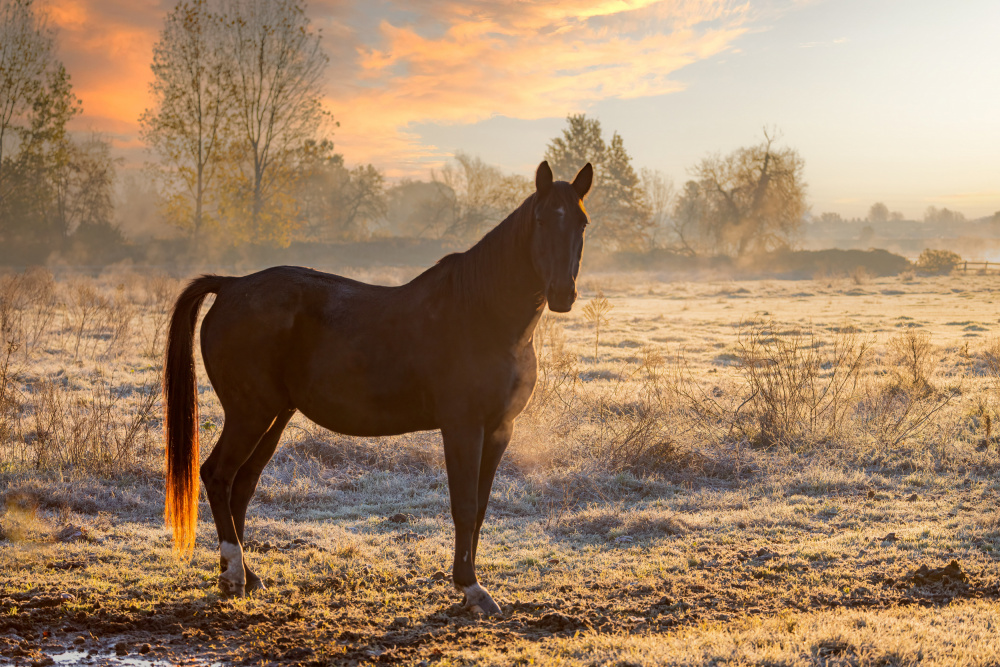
x=709, y=480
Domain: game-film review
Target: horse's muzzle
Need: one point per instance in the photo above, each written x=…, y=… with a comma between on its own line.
x=561, y=300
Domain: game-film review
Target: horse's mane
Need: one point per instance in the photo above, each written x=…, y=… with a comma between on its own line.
x=478, y=274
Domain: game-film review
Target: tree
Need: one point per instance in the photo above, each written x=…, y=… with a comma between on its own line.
x=275, y=71
x=581, y=142
x=942, y=216
x=416, y=208
x=337, y=203
x=36, y=102
x=659, y=190
x=192, y=109
x=879, y=212
x=749, y=201
x=620, y=202
x=26, y=59
x=689, y=212
x=617, y=202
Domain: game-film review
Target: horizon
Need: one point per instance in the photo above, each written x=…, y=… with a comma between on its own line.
x=886, y=101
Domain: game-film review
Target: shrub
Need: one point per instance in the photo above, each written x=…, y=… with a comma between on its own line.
x=912, y=360
x=937, y=262
x=800, y=388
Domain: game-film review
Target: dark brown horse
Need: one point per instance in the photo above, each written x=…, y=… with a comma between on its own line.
x=450, y=350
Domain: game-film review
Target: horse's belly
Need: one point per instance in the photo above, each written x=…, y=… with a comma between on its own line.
x=369, y=415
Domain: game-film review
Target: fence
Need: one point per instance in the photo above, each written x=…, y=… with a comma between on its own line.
x=984, y=267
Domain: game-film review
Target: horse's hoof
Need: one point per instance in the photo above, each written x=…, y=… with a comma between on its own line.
x=478, y=601
x=254, y=584
x=231, y=589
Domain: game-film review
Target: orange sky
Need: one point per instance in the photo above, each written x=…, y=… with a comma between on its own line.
x=886, y=100
x=526, y=59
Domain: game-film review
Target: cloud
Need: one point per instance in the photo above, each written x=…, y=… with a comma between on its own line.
x=815, y=45
x=107, y=47
x=980, y=198
x=394, y=63
x=519, y=59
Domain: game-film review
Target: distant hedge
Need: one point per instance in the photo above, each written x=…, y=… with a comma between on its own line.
x=793, y=264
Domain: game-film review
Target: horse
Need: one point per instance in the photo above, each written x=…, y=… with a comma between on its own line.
x=451, y=350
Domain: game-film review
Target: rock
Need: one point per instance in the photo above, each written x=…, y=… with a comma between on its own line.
x=45, y=601
x=624, y=539
x=80, y=640
x=43, y=662
x=69, y=533
x=439, y=576
x=553, y=561
x=121, y=648
x=912, y=499
x=891, y=537
x=299, y=653
x=871, y=494
x=410, y=537
x=401, y=621
x=554, y=622
x=401, y=518
x=950, y=573
x=145, y=648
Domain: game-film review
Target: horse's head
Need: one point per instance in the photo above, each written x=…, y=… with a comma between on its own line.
x=557, y=241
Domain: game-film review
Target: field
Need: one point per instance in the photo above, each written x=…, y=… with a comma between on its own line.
x=716, y=472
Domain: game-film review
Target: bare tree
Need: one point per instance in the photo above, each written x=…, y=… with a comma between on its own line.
x=750, y=200
x=690, y=210
x=186, y=127
x=659, y=191
x=480, y=195
x=275, y=76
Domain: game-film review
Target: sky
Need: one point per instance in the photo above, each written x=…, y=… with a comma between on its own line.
x=895, y=101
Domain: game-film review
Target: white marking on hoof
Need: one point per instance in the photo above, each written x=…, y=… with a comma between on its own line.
x=478, y=601
x=232, y=561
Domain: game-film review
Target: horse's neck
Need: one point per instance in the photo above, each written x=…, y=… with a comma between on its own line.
x=508, y=294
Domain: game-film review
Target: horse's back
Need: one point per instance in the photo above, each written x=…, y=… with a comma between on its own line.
x=349, y=355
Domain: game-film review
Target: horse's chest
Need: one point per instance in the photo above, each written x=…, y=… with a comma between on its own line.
x=505, y=388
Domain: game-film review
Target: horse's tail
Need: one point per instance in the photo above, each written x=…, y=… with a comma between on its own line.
x=180, y=404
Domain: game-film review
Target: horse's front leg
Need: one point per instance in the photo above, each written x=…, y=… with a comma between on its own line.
x=463, y=449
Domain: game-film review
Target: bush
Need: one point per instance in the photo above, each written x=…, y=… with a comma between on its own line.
x=938, y=262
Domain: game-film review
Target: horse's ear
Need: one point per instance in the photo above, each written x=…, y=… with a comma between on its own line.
x=584, y=180
x=543, y=178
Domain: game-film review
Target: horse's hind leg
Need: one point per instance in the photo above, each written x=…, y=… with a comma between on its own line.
x=246, y=483
x=239, y=438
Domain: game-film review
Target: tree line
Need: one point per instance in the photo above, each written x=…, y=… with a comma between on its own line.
x=240, y=147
